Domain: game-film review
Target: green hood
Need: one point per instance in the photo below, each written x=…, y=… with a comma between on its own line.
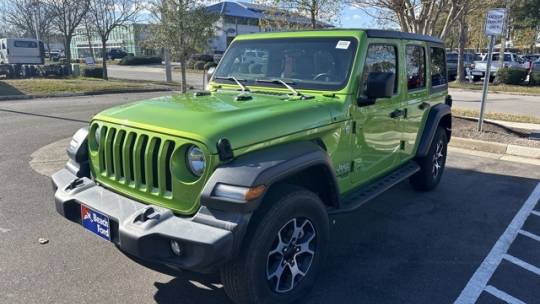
x=209, y=118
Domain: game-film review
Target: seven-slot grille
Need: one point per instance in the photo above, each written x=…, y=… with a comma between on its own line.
x=138, y=160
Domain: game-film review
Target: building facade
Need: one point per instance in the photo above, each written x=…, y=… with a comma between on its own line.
x=237, y=18
x=129, y=38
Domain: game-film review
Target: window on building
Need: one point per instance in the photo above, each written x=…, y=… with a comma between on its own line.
x=26, y=44
x=438, y=67
x=380, y=58
x=416, y=67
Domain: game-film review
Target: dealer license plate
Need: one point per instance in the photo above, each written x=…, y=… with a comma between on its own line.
x=96, y=222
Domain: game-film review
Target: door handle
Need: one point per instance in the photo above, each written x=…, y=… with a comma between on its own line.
x=396, y=113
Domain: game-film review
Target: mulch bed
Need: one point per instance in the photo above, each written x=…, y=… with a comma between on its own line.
x=467, y=128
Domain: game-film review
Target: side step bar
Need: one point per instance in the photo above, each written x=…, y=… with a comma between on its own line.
x=370, y=191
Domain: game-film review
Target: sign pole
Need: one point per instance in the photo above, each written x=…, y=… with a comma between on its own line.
x=495, y=20
x=486, y=82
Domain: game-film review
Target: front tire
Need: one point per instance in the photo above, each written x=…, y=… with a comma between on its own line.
x=432, y=165
x=284, y=249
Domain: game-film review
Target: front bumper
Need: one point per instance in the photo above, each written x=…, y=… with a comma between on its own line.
x=207, y=239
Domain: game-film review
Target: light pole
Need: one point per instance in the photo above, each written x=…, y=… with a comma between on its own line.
x=35, y=4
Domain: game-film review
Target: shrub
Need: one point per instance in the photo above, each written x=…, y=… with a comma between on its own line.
x=93, y=72
x=535, y=79
x=199, y=65
x=210, y=65
x=138, y=60
x=511, y=75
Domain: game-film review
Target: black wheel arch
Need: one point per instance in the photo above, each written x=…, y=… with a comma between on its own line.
x=304, y=164
x=439, y=115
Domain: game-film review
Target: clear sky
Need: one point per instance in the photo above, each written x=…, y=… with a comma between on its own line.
x=356, y=18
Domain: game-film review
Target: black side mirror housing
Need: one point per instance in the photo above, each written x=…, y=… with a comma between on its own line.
x=379, y=85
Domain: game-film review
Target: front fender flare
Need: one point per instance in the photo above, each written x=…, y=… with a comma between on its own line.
x=265, y=167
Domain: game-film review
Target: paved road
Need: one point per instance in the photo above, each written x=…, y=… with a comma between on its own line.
x=154, y=73
x=404, y=247
x=497, y=102
x=505, y=103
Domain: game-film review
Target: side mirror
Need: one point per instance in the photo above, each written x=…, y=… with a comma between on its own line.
x=210, y=73
x=379, y=85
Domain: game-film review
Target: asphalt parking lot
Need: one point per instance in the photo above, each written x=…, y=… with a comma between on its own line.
x=478, y=229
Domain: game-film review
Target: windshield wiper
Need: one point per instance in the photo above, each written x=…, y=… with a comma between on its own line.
x=238, y=82
x=285, y=84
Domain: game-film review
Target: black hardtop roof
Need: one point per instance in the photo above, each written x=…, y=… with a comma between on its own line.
x=373, y=33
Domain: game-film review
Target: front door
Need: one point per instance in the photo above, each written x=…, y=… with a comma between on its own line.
x=377, y=132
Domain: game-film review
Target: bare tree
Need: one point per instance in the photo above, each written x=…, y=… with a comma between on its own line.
x=184, y=27
x=315, y=10
x=107, y=15
x=434, y=18
x=31, y=18
x=68, y=14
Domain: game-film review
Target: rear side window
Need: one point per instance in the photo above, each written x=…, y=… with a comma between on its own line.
x=438, y=67
x=416, y=67
x=26, y=44
x=380, y=58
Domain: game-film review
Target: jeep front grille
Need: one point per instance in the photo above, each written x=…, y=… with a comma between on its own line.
x=140, y=161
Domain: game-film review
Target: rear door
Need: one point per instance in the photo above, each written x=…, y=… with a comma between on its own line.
x=422, y=95
x=376, y=138
x=416, y=101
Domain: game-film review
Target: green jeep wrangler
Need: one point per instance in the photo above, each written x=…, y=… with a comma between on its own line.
x=242, y=178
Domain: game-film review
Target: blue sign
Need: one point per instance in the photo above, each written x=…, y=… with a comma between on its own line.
x=96, y=222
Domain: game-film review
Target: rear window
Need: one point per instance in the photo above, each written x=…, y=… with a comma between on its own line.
x=26, y=44
x=438, y=67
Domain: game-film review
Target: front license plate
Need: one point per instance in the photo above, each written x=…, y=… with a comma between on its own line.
x=478, y=73
x=96, y=222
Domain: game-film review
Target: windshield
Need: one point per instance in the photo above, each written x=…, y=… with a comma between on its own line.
x=305, y=63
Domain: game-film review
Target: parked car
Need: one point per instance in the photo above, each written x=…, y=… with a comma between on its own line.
x=452, y=63
x=242, y=178
x=511, y=60
x=116, y=54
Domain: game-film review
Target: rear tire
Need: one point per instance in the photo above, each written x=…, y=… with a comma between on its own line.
x=432, y=165
x=283, y=250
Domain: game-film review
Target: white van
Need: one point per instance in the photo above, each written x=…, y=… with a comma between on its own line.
x=21, y=51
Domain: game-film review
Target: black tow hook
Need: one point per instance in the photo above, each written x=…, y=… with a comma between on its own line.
x=148, y=214
x=74, y=184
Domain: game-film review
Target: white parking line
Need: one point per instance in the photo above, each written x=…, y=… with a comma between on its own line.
x=480, y=278
x=522, y=263
x=535, y=213
x=531, y=235
x=503, y=295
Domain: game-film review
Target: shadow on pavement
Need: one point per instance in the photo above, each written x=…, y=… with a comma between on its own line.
x=403, y=247
x=8, y=90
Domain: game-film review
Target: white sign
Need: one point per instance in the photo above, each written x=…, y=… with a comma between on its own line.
x=495, y=21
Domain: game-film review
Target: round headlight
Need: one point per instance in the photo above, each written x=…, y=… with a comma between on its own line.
x=195, y=160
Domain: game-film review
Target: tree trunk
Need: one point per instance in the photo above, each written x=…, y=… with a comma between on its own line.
x=313, y=19
x=463, y=28
x=183, y=71
x=67, y=51
x=104, y=58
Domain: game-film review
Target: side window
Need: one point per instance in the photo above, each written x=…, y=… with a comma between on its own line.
x=438, y=67
x=416, y=67
x=380, y=58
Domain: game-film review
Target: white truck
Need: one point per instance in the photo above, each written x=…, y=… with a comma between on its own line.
x=18, y=52
x=511, y=60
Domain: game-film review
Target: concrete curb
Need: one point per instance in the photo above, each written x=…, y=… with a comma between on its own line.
x=24, y=97
x=479, y=90
x=496, y=148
